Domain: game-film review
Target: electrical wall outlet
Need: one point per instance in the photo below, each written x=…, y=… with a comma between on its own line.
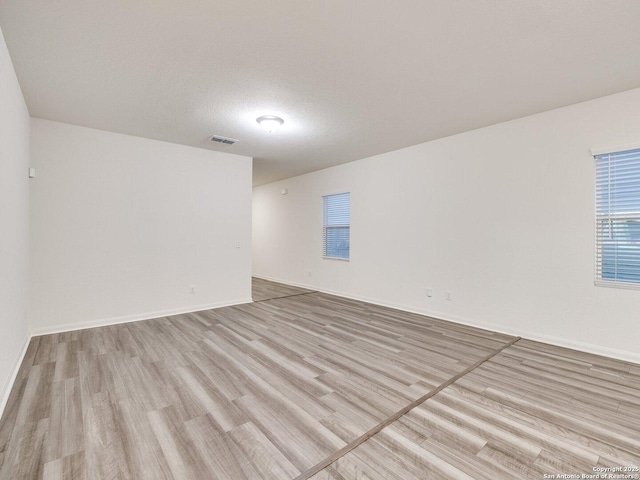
x=429, y=292
x=447, y=295
x=192, y=289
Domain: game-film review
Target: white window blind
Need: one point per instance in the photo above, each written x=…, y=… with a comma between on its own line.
x=336, y=225
x=618, y=218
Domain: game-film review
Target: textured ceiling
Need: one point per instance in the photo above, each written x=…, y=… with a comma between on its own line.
x=350, y=78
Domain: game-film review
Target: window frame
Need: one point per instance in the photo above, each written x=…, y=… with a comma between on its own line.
x=326, y=227
x=613, y=220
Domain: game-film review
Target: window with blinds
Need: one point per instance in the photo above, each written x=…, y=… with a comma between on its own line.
x=336, y=220
x=618, y=218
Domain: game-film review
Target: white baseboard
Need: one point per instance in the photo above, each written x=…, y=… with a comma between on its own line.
x=623, y=355
x=6, y=390
x=103, y=322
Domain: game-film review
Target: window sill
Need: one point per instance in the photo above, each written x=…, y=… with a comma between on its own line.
x=621, y=285
x=336, y=258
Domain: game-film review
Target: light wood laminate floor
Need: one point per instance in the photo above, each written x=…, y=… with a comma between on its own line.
x=271, y=390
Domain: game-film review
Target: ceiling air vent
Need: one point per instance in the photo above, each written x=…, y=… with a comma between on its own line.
x=221, y=139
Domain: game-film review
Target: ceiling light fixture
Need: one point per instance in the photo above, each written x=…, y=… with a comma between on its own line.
x=270, y=123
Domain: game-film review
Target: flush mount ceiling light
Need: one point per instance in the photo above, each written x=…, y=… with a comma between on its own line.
x=270, y=123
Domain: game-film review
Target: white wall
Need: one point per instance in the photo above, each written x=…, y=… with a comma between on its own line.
x=121, y=227
x=502, y=217
x=14, y=222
